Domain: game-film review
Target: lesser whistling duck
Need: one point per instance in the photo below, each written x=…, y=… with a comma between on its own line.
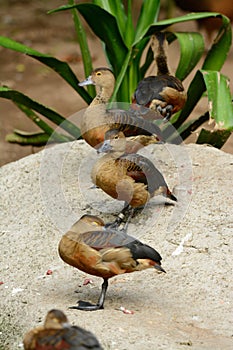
x=58, y=334
x=128, y=177
x=163, y=92
x=97, y=119
x=104, y=253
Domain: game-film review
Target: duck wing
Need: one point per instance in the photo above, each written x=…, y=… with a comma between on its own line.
x=143, y=170
x=131, y=124
x=151, y=87
x=106, y=239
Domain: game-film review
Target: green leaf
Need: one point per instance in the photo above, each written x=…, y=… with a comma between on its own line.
x=129, y=32
x=56, y=118
x=82, y=39
x=218, y=53
x=115, y=8
x=216, y=138
x=38, y=139
x=161, y=25
x=192, y=47
x=125, y=93
x=106, y=28
x=62, y=68
x=42, y=125
x=23, y=139
x=219, y=97
x=148, y=16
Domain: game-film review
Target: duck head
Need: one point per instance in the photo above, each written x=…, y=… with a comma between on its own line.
x=114, y=143
x=102, y=77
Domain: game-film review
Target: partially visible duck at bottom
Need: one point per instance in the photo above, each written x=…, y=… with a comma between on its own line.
x=58, y=334
x=105, y=253
x=132, y=178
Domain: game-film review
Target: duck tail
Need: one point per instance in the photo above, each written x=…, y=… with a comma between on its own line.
x=170, y=195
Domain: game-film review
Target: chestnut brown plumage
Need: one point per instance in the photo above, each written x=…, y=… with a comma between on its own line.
x=105, y=253
x=163, y=92
x=58, y=334
x=97, y=119
x=127, y=177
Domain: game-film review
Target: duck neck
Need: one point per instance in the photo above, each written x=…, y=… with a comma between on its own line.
x=114, y=155
x=103, y=96
x=159, y=53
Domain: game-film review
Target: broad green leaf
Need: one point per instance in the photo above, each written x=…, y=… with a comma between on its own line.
x=161, y=25
x=106, y=29
x=129, y=32
x=19, y=98
x=62, y=68
x=219, y=97
x=218, y=53
x=116, y=8
x=125, y=94
x=23, y=139
x=216, y=138
x=43, y=125
x=148, y=16
x=192, y=47
x=187, y=128
x=38, y=139
x=82, y=39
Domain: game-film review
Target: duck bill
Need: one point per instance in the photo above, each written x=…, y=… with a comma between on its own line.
x=159, y=268
x=106, y=147
x=87, y=81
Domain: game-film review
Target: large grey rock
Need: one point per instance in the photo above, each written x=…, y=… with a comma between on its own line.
x=190, y=306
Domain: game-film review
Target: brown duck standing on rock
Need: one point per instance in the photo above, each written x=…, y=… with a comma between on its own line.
x=97, y=119
x=102, y=252
x=58, y=334
x=163, y=92
x=128, y=177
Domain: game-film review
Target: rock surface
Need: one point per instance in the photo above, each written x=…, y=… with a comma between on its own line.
x=189, y=307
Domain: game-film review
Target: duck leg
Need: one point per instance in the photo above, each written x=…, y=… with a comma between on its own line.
x=166, y=111
x=126, y=213
x=86, y=306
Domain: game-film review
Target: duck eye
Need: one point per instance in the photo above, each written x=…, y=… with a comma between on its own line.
x=98, y=73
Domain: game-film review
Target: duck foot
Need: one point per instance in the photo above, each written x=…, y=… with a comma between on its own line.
x=86, y=306
x=166, y=111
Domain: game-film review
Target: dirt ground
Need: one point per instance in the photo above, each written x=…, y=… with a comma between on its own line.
x=27, y=22
x=189, y=307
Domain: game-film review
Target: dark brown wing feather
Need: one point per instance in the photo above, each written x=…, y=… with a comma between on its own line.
x=150, y=88
x=72, y=338
x=117, y=239
x=105, y=239
x=131, y=124
x=143, y=170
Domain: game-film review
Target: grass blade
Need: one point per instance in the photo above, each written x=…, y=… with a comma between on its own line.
x=82, y=39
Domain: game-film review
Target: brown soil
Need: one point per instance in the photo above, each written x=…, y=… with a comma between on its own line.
x=27, y=22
